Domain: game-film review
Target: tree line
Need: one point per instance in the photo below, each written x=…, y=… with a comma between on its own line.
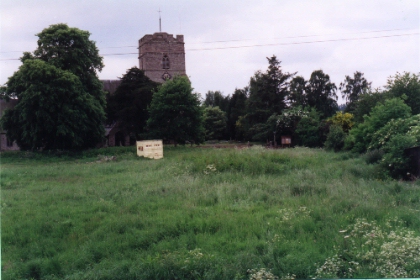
x=62, y=105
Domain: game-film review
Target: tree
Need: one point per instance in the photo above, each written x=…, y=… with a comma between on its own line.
x=71, y=49
x=352, y=88
x=237, y=109
x=54, y=111
x=267, y=93
x=308, y=132
x=215, y=98
x=175, y=112
x=297, y=95
x=59, y=79
x=408, y=84
x=128, y=105
x=214, y=123
x=366, y=102
x=321, y=93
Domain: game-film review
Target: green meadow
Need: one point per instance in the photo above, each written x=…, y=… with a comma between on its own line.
x=204, y=213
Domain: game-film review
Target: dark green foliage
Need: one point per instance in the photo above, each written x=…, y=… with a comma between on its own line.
x=128, y=105
x=61, y=101
x=71, y=49
x=267, y=93
x=297, y=95
x=380, y=115
x=352, y=88
x=406, y=84
x=308, y=130
x=394, y=127
x=215, y=98
x=54, y=110
x=394, y=158
x=374, y=156
x=214, y=123
x=320, y=94
x=175, y=113
x=366, y=102
x=335, y=138
x=237, y=108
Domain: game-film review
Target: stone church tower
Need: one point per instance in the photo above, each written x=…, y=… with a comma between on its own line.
x=162, y=56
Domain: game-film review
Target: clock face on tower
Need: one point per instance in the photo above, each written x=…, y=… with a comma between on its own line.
x=166, y=76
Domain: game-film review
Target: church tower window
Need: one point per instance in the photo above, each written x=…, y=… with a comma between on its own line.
x=165, y=62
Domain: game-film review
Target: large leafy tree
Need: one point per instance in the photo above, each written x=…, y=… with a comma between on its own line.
x=214, y=123
x=128, y=105
x=237, y=109
x=321, y=93
x=267, y=93
x=60, y=98
x=71, y=49
x=54, y=111
x=216, y=98
x=408, y=84
x=175, y=112
x=297, y=96
x=352, y=88
x=366, y=102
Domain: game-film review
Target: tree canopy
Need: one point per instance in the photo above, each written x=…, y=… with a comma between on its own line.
x=214, y=123
x=128, y=105
x=352, y=88
x=267, y=93
x=175, y=112
x=60, y=98
x=321, y=93
x=406, y=84
x=54, y=111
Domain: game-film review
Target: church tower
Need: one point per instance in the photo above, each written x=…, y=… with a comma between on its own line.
x=162, y=56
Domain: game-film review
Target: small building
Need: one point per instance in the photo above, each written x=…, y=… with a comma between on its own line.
x=150, y=149
x=115, y=136
x=286, y=141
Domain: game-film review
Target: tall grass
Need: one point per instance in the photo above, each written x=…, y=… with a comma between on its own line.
x=195, y=214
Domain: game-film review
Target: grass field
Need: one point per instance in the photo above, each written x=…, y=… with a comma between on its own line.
x=205, y=214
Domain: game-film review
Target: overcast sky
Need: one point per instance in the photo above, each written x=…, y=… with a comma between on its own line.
x=226, y=42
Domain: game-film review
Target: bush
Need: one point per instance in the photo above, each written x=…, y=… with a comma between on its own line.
x=307, y=132
x=374, y=156
x=345, y=120
x=379, y=117
x=394, y=159
x=335, y=138
x=349, y=142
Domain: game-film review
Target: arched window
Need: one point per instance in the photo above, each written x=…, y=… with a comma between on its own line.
x=165, y=62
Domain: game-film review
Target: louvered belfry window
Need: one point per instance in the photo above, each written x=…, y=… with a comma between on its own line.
x=165, y=62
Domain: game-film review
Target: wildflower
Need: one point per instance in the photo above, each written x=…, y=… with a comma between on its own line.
x=344, y=230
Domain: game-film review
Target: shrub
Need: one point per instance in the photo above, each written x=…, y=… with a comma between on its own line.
x=335, y=138
x=345, y=120
x=349, y=142
x=307, y=131
x=379, y=117
x=386, y=253
x=394, y=159
x=374, y=156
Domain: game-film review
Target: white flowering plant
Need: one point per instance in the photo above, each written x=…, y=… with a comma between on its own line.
x=390, y=251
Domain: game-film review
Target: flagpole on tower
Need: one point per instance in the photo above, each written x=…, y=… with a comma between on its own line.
x=160, y=22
